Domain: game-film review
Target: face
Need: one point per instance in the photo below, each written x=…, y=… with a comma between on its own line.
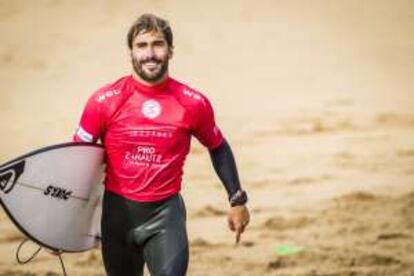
x=150, y=54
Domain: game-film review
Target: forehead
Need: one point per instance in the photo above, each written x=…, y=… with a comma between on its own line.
x=148, y=36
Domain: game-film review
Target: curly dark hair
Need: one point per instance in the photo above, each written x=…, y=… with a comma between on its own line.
x=148, y=23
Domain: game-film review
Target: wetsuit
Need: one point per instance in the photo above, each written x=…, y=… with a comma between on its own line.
x=146, y=132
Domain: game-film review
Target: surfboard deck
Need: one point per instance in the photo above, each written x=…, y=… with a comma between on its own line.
x=54, y=194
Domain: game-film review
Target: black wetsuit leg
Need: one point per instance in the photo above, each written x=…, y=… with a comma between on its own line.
x=136, y=232
x=166, y=251
x=120, y=257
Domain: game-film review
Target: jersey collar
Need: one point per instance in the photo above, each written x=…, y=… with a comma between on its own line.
x=153, y=89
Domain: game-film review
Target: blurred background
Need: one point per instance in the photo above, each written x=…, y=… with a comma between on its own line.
x=315, y=97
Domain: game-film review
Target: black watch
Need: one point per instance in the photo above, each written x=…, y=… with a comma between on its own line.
x=238, y=198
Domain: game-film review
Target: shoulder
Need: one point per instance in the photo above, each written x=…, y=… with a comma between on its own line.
x=111, y=92
x=187, y=95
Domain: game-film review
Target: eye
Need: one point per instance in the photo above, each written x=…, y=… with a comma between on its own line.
x=140, y=44
x=159, y=43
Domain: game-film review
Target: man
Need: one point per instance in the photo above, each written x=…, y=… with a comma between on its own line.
x=145, y=121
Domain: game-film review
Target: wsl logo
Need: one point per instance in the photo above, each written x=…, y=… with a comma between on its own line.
x=9, y=175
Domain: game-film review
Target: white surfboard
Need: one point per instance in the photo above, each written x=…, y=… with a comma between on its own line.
x=54, y=194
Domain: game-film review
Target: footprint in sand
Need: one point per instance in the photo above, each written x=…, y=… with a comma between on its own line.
x=209, y=211
x=281, y=223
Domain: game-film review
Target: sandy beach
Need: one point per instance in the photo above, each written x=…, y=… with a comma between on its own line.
x=315, y=97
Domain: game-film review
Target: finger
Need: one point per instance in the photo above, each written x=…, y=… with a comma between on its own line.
x=239, y=231
x=240, y=228
x=244, y=225
x=238, y=235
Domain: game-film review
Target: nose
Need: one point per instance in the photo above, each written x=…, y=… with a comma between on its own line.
x=149, y=52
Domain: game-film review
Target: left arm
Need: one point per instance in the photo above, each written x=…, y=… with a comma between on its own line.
x=226, y=169
x=207, y=132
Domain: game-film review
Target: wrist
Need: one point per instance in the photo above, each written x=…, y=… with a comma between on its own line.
x=238, y=198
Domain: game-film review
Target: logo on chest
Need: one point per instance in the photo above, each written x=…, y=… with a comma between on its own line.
x=151, y=109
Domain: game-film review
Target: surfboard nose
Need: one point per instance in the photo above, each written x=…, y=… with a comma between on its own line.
x=9, y=174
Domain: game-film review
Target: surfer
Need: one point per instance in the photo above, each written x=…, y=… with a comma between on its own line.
x=145, y=122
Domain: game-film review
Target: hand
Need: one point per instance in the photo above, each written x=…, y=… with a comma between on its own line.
x=238, y=218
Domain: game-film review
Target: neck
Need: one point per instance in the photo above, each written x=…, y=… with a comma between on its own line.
x=147, y=83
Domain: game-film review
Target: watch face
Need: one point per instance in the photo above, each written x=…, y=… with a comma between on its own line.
x=239, y=198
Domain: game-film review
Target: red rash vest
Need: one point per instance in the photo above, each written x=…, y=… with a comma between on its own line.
x=146, y=131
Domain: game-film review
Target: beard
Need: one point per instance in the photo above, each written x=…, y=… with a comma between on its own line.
x=153, y=76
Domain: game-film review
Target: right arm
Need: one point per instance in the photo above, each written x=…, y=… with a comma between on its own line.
x=91, y=125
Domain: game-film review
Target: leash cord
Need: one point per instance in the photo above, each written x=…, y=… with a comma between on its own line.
x=22, y=262
x=62, y=265
x=19, y=260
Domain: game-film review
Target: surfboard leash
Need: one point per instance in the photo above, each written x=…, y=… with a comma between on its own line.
x=22, y=262
x=62, y=265
x=19, y=260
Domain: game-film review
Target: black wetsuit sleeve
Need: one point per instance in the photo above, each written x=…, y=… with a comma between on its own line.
x=225, y=167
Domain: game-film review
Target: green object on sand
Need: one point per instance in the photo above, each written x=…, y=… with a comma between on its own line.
x=288, y=250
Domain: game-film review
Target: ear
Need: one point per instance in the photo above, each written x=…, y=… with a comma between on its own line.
x=130, y=55
x=170, y=52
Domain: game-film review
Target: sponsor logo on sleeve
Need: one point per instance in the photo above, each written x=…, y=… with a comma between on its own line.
x=108, y=94
x=9, y=175
x=151, y=109
x=191, y=94
x=84, y=135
